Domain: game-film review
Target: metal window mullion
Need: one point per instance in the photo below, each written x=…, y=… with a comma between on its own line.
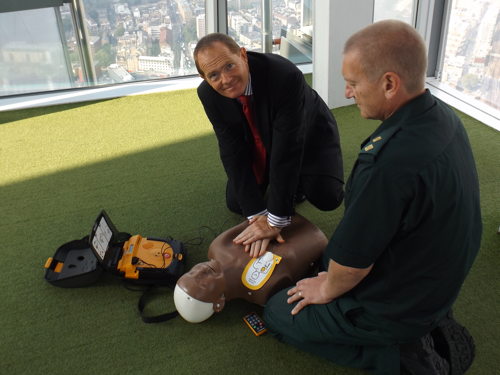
x=415, y=12
x=422, y=18
x=429, y=23
x=267, y=29
x=443, y=38
x=67, y=59
x=78, y=14
x=210, y=16
x=222, y=16
x=216, y=16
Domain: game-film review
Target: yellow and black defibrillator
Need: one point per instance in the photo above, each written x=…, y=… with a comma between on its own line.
x=142, y=260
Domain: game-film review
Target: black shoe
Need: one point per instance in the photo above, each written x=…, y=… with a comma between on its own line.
x=420, y=358
x=454, y=342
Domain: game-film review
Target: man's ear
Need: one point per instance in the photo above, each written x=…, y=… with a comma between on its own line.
x=219, y=303
x=243, y=53
x=391, y=84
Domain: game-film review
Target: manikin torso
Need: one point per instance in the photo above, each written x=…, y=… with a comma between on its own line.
x=300, y=254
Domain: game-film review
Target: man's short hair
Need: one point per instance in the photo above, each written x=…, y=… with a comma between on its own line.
x=208, y=40
x=391, y=46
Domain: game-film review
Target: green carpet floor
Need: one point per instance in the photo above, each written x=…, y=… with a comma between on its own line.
x=152, y=162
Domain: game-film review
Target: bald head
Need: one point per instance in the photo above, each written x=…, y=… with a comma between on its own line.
x=391, y=46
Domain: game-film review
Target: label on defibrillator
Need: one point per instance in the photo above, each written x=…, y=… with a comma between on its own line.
x=259, y=270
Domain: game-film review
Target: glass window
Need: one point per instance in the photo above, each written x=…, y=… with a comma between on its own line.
x=403, y=10
x=143, y=39
x=32, y=53
x=125, y=40
x=121, y=41
x=472, y=50
x=292, y=27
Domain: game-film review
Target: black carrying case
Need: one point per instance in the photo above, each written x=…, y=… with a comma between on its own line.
x=81, y=262
x=73, y=265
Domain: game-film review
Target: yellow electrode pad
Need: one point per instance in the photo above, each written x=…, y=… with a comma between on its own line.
x=259, y=270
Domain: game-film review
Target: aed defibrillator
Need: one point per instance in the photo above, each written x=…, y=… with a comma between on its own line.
x=142, y=260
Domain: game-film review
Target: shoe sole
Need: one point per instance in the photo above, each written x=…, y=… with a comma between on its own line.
x=454, y=342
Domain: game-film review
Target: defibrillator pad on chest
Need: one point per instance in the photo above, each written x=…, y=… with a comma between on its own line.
x=259, y=270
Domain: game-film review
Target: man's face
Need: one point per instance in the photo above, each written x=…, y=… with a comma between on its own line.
x=368, y=94
x=204, y=282
x=225, y=71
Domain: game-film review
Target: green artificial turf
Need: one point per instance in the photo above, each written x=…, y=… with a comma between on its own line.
x=152, y=162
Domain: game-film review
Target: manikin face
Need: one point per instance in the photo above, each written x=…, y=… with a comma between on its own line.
x=368, y=94
x=204, y=282
x=225, y=72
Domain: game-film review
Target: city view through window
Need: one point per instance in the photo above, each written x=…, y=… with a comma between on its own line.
x=291, y=27
x=141, y=39
x=32, y=54
x=132, y=40
x=135, y=40
x=472, y=53
x=147, y=39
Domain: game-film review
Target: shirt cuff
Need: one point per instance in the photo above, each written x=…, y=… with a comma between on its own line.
x=278, y=221
x=262, y=213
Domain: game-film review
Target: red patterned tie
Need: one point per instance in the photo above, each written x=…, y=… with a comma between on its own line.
x=259, y=159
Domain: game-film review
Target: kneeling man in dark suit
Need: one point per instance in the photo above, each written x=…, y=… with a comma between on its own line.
x=275, y=135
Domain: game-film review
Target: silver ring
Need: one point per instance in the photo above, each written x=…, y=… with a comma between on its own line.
x=300, y=294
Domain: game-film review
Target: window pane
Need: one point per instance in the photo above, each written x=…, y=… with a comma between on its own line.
x=143, y=39
x=244, y=20
x=32, y=56
x=291, y=27
x=472, y=54
x=402, y=10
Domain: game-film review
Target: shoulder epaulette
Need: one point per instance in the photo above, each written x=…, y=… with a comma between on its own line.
x=378, y=141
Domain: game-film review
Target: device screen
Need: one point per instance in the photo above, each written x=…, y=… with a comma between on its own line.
x=102, y=237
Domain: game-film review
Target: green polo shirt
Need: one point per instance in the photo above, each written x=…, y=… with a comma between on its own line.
x=411, y=209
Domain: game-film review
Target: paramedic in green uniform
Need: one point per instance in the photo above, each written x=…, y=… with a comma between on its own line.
x=410, y=231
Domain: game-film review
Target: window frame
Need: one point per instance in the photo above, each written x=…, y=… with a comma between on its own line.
x=433, y=18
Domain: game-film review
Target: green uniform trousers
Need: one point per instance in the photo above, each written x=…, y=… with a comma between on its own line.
x=341, y=332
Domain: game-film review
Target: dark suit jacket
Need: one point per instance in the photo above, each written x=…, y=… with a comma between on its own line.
x=298, y=130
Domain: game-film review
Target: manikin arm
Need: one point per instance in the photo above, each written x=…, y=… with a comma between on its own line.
x=326, y=286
